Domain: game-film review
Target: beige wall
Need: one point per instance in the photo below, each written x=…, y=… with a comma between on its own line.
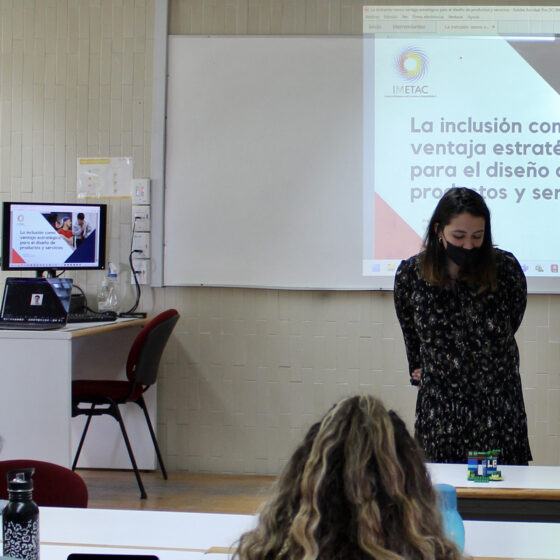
x=247, y=370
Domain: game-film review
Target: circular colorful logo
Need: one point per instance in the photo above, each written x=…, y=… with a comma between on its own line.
x=412, y=64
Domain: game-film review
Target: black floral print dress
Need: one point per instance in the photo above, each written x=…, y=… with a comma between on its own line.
x=470, y=396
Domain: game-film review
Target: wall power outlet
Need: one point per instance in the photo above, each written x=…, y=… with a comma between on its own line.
x=140, y=191
x=141, y=219
x=142, y=269
x=141, y=242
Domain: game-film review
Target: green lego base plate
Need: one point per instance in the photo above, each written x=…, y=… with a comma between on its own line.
x=494, y=477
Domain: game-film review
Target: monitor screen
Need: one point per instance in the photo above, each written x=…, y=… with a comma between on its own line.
x=44, y=236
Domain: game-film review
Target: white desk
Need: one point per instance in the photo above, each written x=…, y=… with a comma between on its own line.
x=530, y=493
x=190, y=536
x=35, y=399
x=535, y=479
x=514, y=539
x=169, y=535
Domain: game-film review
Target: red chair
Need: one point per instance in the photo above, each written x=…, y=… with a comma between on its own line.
x=104, y=397
x=53, y=485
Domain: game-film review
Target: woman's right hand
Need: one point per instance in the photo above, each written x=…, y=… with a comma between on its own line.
x=416, y=375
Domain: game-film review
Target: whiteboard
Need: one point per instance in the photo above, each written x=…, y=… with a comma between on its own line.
x=263, y=166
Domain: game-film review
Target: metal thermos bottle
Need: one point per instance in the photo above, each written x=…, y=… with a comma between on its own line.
x=20, y=517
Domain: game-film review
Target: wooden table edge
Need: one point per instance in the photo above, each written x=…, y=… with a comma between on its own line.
x=108, y=327
x=507, y=493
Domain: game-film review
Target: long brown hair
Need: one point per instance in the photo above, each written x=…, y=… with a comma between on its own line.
x=355, y=488
x=433, y=260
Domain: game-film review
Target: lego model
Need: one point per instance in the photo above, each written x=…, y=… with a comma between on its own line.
x=483, y=466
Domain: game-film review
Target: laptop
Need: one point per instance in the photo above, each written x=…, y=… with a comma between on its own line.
x=35, y=303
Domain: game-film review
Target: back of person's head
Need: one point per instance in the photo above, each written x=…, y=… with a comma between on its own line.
x=355, y=488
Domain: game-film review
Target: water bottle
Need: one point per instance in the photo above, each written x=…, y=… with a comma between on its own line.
x=20, y=517
x=108, y=294
x=452, y=521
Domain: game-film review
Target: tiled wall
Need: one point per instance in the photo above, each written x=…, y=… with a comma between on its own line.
x=75, y=81
x=247, y=370
x=252, y=368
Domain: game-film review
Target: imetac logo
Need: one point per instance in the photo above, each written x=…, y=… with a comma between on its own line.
x=412, y=64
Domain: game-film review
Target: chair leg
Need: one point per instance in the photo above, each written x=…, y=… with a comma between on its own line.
x=82, y=439
x=142, y=404
x=116, y=413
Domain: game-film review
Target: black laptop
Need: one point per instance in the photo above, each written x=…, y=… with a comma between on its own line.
x=35, y=303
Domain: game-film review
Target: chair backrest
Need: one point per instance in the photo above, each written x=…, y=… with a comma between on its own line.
x=54, y=485
x=146, y=351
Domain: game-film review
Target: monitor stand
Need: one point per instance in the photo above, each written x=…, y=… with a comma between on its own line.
x=46, y=273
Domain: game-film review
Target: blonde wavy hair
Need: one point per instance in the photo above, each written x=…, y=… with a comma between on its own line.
x=355, y=488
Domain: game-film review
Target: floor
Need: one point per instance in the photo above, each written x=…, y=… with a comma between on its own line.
x=217, y=493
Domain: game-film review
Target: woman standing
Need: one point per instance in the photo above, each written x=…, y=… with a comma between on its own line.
x=459, y=303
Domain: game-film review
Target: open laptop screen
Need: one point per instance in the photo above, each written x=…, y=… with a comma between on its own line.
x=36, y=300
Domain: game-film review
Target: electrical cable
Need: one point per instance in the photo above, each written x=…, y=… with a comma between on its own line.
x=86, y=307
x=132, y=313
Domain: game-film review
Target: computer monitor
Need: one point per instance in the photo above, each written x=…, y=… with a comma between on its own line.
x=45, y=237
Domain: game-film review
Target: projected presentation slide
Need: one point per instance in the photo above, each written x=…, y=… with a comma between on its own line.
x=479, y=111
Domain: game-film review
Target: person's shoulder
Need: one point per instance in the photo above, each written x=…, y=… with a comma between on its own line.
x=409, y=264
x=408, y=270
x=507, y=262
x=505, y=257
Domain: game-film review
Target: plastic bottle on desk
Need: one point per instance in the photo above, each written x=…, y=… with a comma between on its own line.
x=452, y=520
x=20, y=517
x=108, y=293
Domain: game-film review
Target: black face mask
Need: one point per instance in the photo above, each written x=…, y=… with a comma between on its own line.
x=461, y=256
